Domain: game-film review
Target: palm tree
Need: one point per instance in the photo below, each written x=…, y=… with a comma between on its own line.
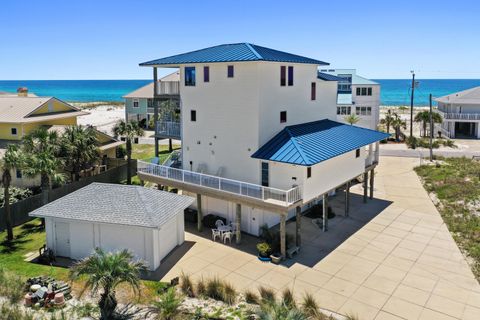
x=79, y=147
x=398, y=124
x=352, y=119
x=424, y=118
x=106, y=271
x=130, y=131
x=387, y=121
x=13, y=159
x=42, y=148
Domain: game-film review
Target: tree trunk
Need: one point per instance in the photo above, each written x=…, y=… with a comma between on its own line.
x=8, y=217
x=388, y=127
x=45, y=187
x=170, y=146
x=107, y=305
x=129, y=160
x=424, y=128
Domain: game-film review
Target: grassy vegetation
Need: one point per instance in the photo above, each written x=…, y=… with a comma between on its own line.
x=456, y=183
x=147, y=151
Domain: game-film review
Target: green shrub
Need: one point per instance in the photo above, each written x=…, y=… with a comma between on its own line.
x=16, y=194
x=412, y=142
x=86, y=310
x=264, y=249
x=214, y=289
x=11, y=286
x=201, y=288
x=267, y=295
x=229, y=293
x=186, y=285
x=310, y=306
x=14, y=312
x=167, y=306
x=288, y=299
x=251, y=297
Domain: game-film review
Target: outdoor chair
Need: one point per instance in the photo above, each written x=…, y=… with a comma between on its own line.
x=216, y=233
x=227, y=235
x=219, y=223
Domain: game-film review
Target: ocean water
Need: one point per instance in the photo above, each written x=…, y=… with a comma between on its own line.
x=393, y=92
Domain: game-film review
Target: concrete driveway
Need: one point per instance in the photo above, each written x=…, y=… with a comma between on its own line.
x=393, y=258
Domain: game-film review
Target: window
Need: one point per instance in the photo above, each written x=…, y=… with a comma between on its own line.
x=357, y=153
x=265, y=174
x=135, y=103
x=309, y=172
x=345, y=85
x=364, y=91
x=150, y=103
x=283, y=76
x=363, y=111
x=193, y=115
x=290, y=75
x=13, y=131
x=344, y=110
x=283, y=116
x=19, y=174
x=206, y=74
x=190, y=76
x=230, y=71
x=313, y=93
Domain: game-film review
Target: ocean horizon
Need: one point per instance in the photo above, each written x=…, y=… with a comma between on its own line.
x=394, y=92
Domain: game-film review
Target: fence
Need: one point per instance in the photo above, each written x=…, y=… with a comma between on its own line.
x=20, y=210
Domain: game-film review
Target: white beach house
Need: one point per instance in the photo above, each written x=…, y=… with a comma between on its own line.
x=356, y=95
x=461, y=114
x=260, y=140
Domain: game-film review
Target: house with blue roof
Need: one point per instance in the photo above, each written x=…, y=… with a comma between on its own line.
x=356, y=95
x=260, y=137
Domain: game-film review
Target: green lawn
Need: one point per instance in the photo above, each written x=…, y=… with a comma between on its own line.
x=147, y=151
x=29, y=237
x=456, y=183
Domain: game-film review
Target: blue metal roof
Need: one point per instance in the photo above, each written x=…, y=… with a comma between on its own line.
x=309, y=143
x=328, y=77
x=230, y=53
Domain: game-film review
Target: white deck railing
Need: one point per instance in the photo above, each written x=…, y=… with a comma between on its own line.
x=246, y=189
x=168, y=87
x=460, y=116
x=169, y=128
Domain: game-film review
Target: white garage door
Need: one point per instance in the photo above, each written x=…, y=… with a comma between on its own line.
x=62, y=240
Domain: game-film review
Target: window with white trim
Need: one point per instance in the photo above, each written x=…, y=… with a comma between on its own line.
x=363, y=111
x=364, y=91
x=135, y=103
x=13, y=131
x=344, y=110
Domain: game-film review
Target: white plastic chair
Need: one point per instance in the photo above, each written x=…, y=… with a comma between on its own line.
x=233, y=225
x=219, y=223
x=216, y=233
x=227, y=235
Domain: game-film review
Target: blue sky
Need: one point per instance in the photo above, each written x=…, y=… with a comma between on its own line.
x=106, y=39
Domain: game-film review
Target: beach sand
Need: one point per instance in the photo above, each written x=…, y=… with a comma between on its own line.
x=103, y=117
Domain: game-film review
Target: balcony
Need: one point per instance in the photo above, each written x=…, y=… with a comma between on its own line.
x=168, y=88
x=459, y=116
x=168, y=129
x=223, y=188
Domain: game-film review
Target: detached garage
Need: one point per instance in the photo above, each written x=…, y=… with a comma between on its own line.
x=145, y=221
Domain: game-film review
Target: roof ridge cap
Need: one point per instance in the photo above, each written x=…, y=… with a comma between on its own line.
x=250, y=46
x=297, y=146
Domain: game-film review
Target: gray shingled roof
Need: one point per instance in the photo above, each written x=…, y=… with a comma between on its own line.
x=117, y=204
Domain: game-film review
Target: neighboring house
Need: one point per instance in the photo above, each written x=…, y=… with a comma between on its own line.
x=139, y=103
x=21, y=114
x=259, y=138
x=114, y=217
x=356, y=95
x=461, y=114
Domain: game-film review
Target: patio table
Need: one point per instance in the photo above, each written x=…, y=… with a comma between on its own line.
x=224, y=228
